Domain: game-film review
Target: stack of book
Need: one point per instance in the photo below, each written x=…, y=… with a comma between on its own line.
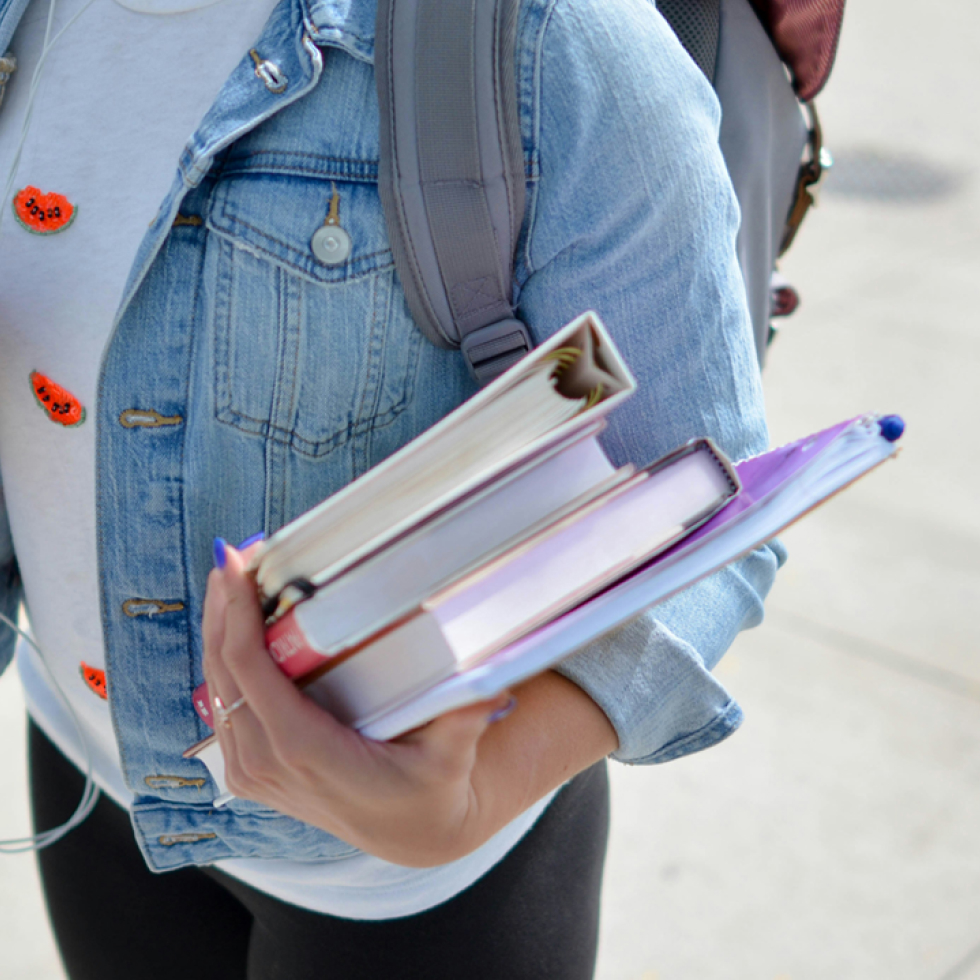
x=503, y=539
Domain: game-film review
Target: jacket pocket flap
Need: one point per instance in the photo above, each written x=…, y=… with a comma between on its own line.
x=275, y=214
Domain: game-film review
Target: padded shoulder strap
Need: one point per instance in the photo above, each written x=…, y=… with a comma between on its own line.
x=697, y=24
x=452, y=170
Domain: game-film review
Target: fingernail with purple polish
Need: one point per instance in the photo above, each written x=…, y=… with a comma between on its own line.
x=248, y=542
x=501, y=713
x=219, y=552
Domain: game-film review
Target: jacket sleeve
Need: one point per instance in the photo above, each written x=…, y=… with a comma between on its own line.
x=632, y=215
x=10, y=587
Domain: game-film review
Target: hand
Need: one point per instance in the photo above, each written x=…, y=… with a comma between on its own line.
x=414, y=801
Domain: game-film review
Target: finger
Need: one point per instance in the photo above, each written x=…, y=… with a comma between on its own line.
x=271, y=696
x=221, y=689
x=251, y=766
x=250, y=547
x=213, y=625
x=249, y=542
x=248, y=756
x=282, y=729
x=219, y=681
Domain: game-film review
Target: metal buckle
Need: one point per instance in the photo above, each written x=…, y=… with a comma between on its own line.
x=809, y=180
x=491, y=350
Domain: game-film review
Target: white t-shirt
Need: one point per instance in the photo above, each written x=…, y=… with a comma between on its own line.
x=121, y=91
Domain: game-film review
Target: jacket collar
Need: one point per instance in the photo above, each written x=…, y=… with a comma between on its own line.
x=346, y=24
x=11, y=12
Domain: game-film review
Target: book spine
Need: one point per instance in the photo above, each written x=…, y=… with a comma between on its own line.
x=291, y=648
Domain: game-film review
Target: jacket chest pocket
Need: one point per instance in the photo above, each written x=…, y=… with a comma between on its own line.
x=311, y=346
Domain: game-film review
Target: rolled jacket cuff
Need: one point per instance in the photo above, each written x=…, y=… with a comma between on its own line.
x=656, y=691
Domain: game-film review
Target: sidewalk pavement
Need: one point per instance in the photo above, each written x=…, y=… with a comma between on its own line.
x=835, y=836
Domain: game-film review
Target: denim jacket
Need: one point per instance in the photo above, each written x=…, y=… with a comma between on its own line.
x=245, y=380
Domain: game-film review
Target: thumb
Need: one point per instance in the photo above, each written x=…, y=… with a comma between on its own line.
x=215, y=605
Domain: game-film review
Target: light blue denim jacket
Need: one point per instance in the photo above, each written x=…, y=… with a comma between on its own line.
x=245, y=381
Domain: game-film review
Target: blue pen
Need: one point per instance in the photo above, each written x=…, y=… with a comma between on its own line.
x=891, y=426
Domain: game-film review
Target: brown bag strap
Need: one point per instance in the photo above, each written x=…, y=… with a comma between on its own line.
x=805, y=33
x=808, y=181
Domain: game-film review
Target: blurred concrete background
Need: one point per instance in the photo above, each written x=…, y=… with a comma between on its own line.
x=834, y=836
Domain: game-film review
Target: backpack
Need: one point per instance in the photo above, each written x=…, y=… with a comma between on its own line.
x=451, y=175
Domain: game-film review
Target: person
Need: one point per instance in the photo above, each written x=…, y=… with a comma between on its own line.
x=178, y=366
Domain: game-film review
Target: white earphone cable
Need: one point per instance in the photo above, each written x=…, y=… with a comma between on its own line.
x=90, y=795
x=46, y=47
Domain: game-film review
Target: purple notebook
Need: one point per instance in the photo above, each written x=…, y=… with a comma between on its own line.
x=763, y=475
x=778, y=487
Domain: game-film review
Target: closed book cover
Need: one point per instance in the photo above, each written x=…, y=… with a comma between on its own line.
x=567, y=384
x=392, y=582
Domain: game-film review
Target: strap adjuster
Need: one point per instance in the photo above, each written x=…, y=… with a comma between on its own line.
x=491, y=350
x=811, y=174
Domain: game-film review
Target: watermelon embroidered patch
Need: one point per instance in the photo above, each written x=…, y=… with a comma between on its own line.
x=60, y=405
x=43, y=214
x=95, y=679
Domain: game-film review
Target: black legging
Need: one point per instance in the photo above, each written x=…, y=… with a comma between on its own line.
x=534, y=915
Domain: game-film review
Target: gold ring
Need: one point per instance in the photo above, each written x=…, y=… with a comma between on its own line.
x=223, y=714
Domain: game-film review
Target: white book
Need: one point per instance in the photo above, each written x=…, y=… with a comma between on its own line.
x=392, y=582
x=562, y=387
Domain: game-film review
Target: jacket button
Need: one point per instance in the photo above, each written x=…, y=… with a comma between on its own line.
x=331, y=245
x=168, y=840
x=148, y=418
x=149, y=607
x=270, y=74
x=173, y=782
x=8, y=65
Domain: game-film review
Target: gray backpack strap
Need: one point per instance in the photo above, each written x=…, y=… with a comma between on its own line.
x=697, y=24
x=763, y=136
x=451, y=176
x=763, y=133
